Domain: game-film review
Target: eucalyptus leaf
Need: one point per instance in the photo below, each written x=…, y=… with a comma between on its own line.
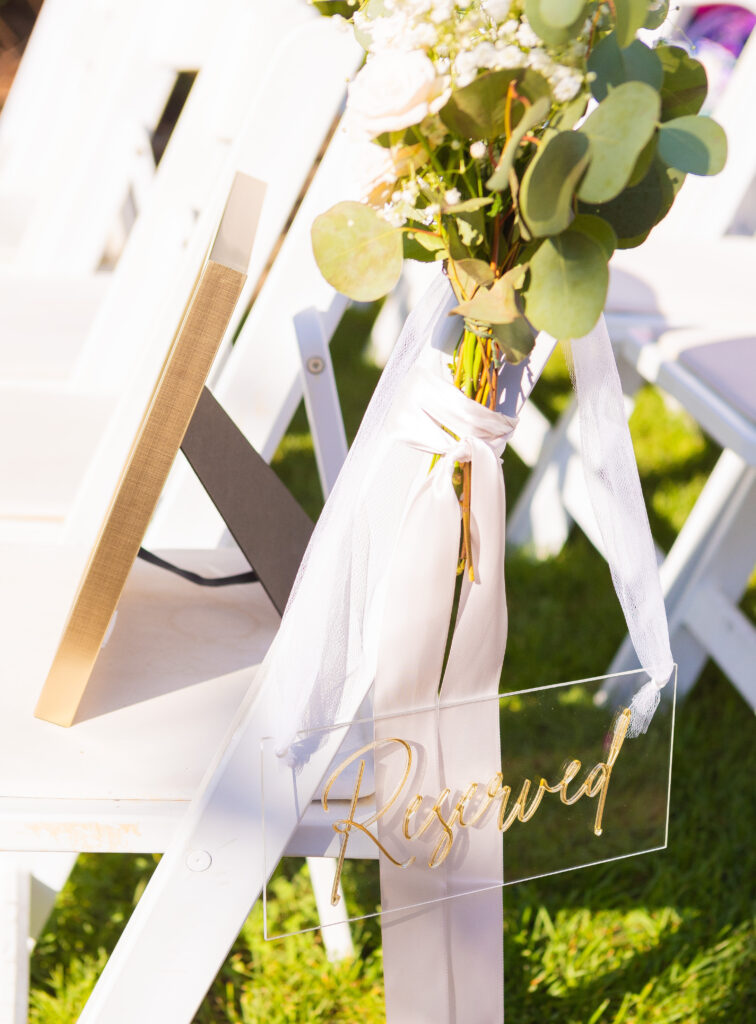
x=613, y=66
x=684, y=86
x=642, y=164
x=631, y=15
x=478, y=110
x=358, y=252
x=471, y=228
x=561, y=13
x=568, y=283
x=618, y=129
x=496, y=303
x=473, y=273
x=515, y=339
x=693, y=144
x=597, y=228
x=530, y=118
x=550, y=181
x=571, y=112
x=470, y=205
x=637, y=209
x=422, y=247
x=657, y=14
x=634, y=242
x=552, y=34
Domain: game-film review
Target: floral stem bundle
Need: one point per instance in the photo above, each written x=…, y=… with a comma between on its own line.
x=518, y=144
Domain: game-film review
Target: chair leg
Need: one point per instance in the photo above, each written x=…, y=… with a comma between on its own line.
x=49, y=873
x=15, y=886
x=539, y=519
x=705, y=575
x=214, y=870
x=334, y=926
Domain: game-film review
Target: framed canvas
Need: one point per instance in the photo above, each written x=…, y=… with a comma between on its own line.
x=122, y=484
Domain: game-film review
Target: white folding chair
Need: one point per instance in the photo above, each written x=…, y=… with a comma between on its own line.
x=211, y=150
x=75, y=152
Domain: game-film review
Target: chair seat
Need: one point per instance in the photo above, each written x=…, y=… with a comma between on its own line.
x=45, y=322
x=684, y=283
x=712, y=374
x=730, y=368
x=165, y=689
x=49, y=438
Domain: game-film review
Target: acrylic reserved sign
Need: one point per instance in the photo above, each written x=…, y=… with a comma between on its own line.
x=572, y=789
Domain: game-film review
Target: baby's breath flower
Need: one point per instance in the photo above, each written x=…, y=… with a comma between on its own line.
x=393, y=215
x=526, y=36
x=509, y=57
x=478, y=150
x=452, y=196
x=497, y=9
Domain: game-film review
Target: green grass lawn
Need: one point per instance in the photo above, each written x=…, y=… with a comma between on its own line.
x=666, y=937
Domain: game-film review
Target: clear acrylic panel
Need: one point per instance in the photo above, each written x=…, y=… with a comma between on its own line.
x=570, y=791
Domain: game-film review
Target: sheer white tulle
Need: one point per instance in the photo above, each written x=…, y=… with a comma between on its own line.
x=323, y=660
x=611, y=475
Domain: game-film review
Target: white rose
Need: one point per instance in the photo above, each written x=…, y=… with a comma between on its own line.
x=393, y=91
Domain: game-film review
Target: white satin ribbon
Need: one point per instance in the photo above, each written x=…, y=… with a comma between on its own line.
x=433, y=963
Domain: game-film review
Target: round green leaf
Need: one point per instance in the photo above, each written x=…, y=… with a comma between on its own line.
x=358, y=253
x=422, y=247
x=612, y=66
x=618, y=129
x=644, y=161
x=560, y=13
x=598, y=229
x=478, y=110
x=693, y=144
x=630, y=17
x=657, y=14
x=550, y=182
x=515, y=339
x=569, y=278
x=636, y=210
x=552, y=34
x=684, y=85
x=634, y=242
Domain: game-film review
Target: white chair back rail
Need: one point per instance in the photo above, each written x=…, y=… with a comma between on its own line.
x=91, y=139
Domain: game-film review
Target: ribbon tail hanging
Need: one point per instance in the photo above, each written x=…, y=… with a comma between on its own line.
x=614, y=489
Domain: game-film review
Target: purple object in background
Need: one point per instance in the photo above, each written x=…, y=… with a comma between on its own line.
x=715, y=34
x=725, y=24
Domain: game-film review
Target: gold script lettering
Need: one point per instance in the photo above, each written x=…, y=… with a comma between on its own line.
x=596, y=784
x=344, y=826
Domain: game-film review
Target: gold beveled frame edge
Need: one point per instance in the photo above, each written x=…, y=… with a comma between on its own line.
x=163, y=424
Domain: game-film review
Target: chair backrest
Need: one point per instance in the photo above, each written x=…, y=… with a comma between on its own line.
x=75, y=134
x=257, y=83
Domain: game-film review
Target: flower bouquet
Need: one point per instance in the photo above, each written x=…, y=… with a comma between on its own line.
x=517, y=144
